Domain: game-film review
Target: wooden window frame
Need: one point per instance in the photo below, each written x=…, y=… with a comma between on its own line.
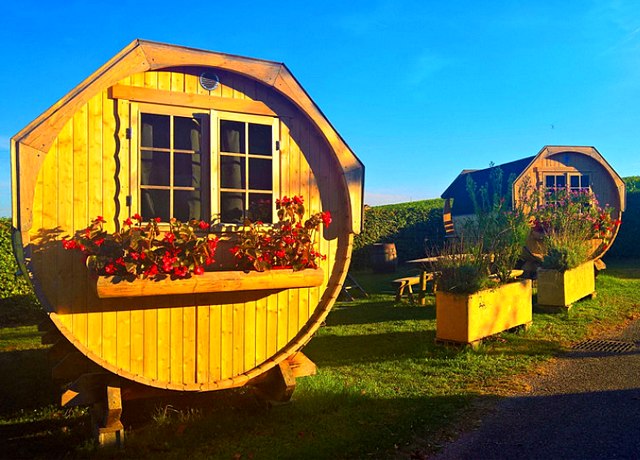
x=210, y=152
x=275, y=159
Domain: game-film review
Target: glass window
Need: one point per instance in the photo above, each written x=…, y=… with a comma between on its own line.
x=170, y=167
x=174, y=166
x=246, y=171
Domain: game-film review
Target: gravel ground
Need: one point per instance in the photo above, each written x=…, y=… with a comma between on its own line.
x=586, y=406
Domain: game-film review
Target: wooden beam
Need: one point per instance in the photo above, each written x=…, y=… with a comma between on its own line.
x=276, y=385
x=301, y=365
x=201, y=101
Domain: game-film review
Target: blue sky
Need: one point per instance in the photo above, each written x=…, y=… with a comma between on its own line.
x=419, y=89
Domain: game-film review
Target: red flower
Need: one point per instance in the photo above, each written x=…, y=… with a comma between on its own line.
x=297, y=200
x=99, y=220
x=281, y=254
x=137, y=217
x=180, y=272
x=99, y=242
x=110, y=269
x=198, y=270
x=326, y=218
x=128, y=221
x=151, y=271
x=169, y=238
x=203, y=225
x=69, y=244
x=157, y=219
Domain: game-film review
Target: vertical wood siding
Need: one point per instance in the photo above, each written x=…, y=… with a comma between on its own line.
x=161, y=341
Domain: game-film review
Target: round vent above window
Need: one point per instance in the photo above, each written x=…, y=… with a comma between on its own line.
x=209, y=81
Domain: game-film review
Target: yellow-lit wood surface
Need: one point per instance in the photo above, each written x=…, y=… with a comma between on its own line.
x=468, y=318
x=191, y=341
x=561, y=289
x=223, y=281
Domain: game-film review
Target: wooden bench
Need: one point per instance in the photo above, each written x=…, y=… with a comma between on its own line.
x=404, y=286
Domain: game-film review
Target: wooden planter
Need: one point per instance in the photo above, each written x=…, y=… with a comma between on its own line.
x=221, y=281
x=469, y=318
x=561, y=289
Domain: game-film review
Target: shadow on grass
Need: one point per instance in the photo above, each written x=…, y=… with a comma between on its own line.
x=32, y=425
x=322, y=422
x=25, y=377
x=20, y=310
x=377, y=312
x=358, y=349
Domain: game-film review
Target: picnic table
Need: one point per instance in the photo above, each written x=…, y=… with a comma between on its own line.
x=404, y=286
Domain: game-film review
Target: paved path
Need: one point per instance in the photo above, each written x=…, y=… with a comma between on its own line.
x=586, y=407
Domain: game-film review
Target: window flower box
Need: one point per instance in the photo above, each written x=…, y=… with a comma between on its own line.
x=561, y=289
x=216, y=281
x=468, y=318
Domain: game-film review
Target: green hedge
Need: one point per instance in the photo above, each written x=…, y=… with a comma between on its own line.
x=18, y=305
x=405, y=224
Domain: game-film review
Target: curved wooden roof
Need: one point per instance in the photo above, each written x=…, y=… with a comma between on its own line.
x=30, y=145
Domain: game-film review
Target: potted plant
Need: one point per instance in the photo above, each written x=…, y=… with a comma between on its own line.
x=573, y=227
x=140, y=259
x=477, y=294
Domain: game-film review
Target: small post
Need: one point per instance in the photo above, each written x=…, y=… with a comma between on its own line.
x=105, y=417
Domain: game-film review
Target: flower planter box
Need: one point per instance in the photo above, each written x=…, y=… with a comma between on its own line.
x=561, y=289
x=469, y=318
x=220, y=281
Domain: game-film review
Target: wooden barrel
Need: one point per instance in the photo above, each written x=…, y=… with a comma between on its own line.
x=219, y=330
x=384, y=258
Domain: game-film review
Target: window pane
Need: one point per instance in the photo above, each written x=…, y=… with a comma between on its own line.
x=232, y=173
x=574, y=181
x=154, y=167
x=260, y=176
x=232, y=136
x=560, y=182
x=260, y=139
x=155, y=131
x=187, y=205
x=155, y=203
x=550, y=181
x=231, y=207
x=186, y=170
x=585, y=181
x=186, y=133
x=260, y=206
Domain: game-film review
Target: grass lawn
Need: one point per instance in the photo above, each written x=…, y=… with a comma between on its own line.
x=383, y=388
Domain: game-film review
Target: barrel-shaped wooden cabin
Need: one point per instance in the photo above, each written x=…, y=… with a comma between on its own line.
x=232, y=133
x=571, y=167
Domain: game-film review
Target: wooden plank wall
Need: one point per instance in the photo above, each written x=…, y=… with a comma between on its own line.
x=602, y=183
x=163, y=342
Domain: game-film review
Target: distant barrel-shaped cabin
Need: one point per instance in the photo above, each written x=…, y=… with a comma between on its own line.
x=571, y=167
x=232, y=134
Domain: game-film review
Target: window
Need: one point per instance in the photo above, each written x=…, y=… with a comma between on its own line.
x=203, y=165
x=171, y=167
x=579, y=182
x=246, y=171
x=553, y=182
